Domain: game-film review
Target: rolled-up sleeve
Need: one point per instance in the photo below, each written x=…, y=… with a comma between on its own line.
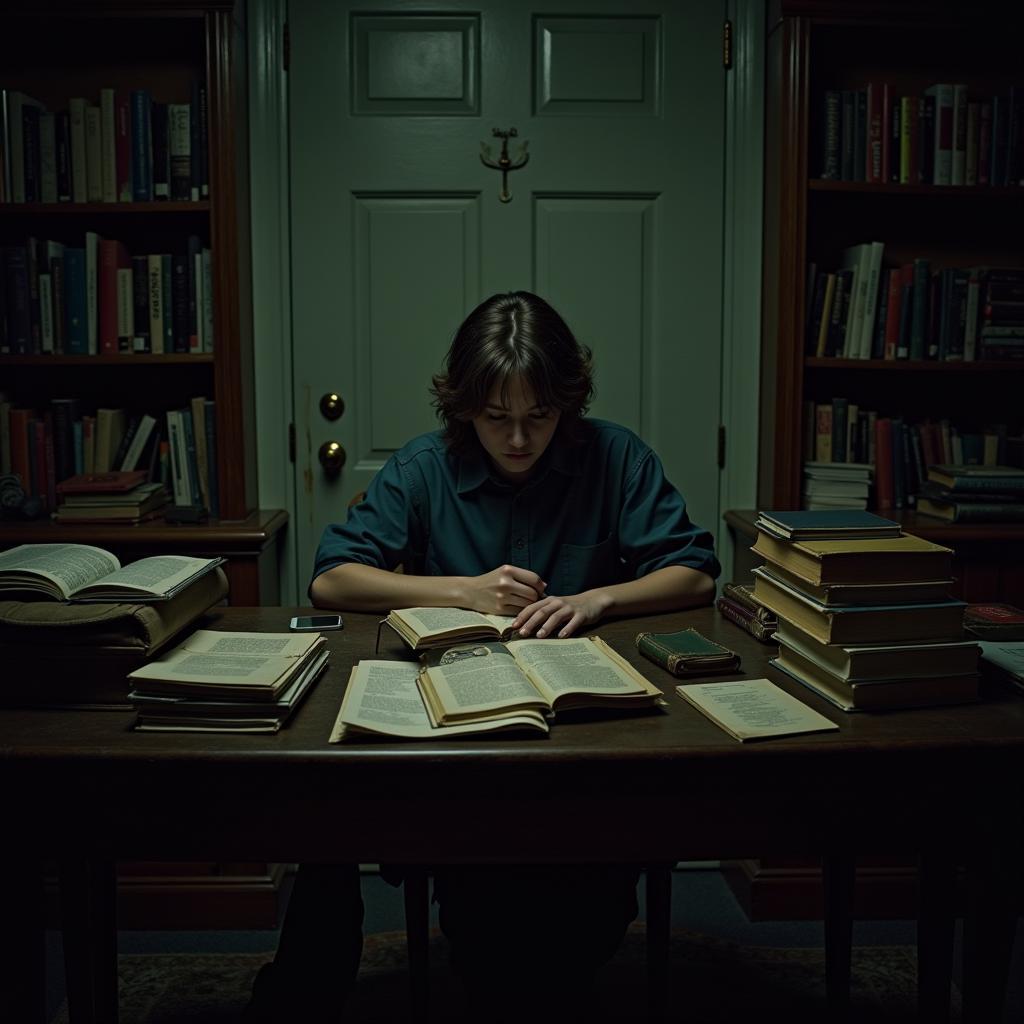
x=379, y=530
x=654, y=528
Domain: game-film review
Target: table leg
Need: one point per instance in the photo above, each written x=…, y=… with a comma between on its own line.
x=936, y=928
x=23, y=945
x=659, y=932
x=89, y=926
x=838, y=870
x=994, y=894
x=417, y=938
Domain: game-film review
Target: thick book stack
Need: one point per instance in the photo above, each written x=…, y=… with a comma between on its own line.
x=836, y=484
x=738, y=604
x=865, y=617
x=974, y=494
x=227, y=682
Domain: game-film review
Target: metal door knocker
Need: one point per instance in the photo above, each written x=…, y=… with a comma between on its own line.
x=504, y=163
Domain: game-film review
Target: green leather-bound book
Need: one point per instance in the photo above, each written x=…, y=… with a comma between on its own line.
x=687, y=653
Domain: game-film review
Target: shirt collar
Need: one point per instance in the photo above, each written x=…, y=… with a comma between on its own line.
x=475, y=471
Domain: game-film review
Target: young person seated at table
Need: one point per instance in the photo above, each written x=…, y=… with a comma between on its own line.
x=519, y=506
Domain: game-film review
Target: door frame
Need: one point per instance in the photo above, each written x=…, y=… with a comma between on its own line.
x=271, y=235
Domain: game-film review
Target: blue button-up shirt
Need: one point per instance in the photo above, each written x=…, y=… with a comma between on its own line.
x=597, y=510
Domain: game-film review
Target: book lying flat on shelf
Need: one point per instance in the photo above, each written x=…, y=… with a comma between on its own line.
x=826, y=524
x=837, y=624
x=81, y=572
x=424, y=628
x=754, y=709
x=866, y=593
x=137, y=504
x=488, y=686
x=876, y=694
x=978, y=478
x=230, y=665
x=904, y=559
x=112, y=482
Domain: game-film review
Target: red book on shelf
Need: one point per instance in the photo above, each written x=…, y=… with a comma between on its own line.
x=113, y=255
x=878, y=100
x=18, y=420
x=883, y=463
x=892, y=313
x=114, y=482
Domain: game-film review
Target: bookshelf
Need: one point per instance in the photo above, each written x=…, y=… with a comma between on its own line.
x=55, y=50
x=814, y=47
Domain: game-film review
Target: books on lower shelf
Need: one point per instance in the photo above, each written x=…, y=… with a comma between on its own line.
x=867, y=623
x=227, y=682
x=84, y=573
x=488, y=686
x=974, y=494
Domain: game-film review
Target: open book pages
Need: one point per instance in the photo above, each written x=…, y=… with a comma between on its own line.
x=752, y=709
x=81, y=572
x=423, y=628
x=225, y=664
x=382, y=698
x=474, y=681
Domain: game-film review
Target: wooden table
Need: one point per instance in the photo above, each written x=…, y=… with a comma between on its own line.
x=941, y=783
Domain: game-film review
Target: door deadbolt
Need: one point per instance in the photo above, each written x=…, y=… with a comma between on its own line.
x=332, y=406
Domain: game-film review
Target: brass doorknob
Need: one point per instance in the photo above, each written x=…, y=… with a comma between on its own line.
x=332, y=457
x=332, y=406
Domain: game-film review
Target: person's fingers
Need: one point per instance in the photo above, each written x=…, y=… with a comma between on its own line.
x=525, y=576
x=555, y=620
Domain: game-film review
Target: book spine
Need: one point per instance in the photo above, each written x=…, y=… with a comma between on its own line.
x=142, y=146
x=48, y=158
x=958, y=172
x=79, y=159
x=19, y=320
x=741, y=617
x=123, y=146
x=180, y=150
x=883, y=463
x=93, y=154
x=830, y=135
x=62, y=148
x=107, y=297
x=75, y=300
x=30, y=153
x=179, y=301
x=161, y=151
x=140, y=304
x=919, y=309
x=156, y=302
x=108, y=146
x=213, y=480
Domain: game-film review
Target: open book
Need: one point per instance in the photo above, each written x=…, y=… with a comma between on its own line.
x=81, y=572
x=424, y=628
x=225, y=665
x=489, y=686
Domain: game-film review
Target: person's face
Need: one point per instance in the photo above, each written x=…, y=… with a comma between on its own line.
x=517, y=435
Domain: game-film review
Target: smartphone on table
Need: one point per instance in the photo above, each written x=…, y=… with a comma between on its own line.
x=315, y=623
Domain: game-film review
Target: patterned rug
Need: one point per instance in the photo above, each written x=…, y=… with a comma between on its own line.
x=713, y=982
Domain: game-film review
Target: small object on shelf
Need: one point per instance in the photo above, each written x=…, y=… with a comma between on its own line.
x=186, y=514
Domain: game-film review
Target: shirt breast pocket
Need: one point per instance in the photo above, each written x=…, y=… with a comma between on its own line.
x=582, y=567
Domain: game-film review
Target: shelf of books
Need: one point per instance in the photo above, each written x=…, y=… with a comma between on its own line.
x=125, y=297
x=894, y=173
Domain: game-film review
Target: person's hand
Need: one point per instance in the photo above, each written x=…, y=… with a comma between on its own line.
x=504, y=591
x=561, y=616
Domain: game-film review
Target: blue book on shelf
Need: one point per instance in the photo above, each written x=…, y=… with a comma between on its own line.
x=826, y=524
x=142, y=145
x=76, y=302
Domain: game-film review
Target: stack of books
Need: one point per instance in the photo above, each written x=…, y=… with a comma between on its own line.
x=227, y=682
x=865, y=617
x=114, y=497
x=974, y=494
x=738, y=604
x=836, y=485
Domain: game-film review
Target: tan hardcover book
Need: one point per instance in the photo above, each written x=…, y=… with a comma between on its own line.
x=904, y=559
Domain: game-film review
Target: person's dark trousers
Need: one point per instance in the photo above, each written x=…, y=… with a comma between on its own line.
x=318, y=952
x=531, y=939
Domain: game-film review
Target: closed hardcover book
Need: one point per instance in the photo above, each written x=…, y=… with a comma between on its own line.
x=824, y=525
x=839, y=624
x=903, y=559
x=76, y=301
x=687, y=652
x=142, y=145
x=743, y=617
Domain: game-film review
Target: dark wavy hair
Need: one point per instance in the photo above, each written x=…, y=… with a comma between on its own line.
x=512, y=334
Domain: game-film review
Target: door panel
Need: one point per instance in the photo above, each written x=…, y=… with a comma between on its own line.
x=399, y=229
